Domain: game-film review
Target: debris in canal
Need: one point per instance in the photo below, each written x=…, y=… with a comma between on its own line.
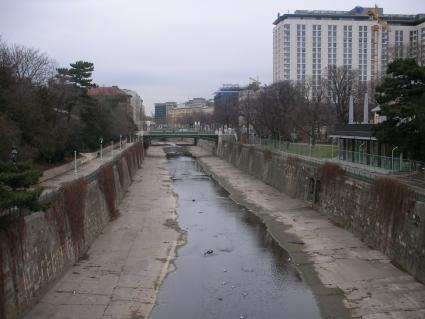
x=296, y=242
x=244, y=269
x=208, y=252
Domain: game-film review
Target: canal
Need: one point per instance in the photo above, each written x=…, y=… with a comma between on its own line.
x=230, y=267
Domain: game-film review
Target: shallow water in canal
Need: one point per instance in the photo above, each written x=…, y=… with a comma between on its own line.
x=246, y=276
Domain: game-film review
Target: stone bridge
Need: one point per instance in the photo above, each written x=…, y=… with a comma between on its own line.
x=196, y=135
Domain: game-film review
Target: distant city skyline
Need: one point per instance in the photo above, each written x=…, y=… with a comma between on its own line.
x=164, y=50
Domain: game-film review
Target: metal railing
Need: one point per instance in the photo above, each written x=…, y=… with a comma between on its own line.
x=359, y=168
x=385, y=163
x=355, y=161
x=324, y=151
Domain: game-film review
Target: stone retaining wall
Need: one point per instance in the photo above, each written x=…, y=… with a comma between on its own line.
x=36, y=248
x=384, y=213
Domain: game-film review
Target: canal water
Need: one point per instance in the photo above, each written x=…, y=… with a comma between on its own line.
x=245, y=274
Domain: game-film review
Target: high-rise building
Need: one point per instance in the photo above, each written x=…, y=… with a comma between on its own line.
x=162, y=110
x=227, y=93
x=160, y=113
x=307, y=43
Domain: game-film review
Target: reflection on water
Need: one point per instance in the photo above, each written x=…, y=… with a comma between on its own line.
x=246, y=276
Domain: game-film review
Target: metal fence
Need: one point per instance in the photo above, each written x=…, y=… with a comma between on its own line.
x=324, y=151
x=385, y=163
x=360, y=169
x=355, y=161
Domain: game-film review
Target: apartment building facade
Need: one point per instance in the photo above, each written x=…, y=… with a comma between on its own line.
x=189, y=111
x=307, y=43
x=136, y=103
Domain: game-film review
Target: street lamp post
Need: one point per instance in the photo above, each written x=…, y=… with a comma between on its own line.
x=360, y=152
x=392, y=157
x=101, y=148
x=14, y=154
x=75, y=163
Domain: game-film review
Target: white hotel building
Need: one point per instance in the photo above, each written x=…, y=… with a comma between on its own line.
x=305, y=43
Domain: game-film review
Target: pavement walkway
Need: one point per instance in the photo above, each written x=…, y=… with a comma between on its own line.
x=338, y=267
x=121, y=273
x=82, y=170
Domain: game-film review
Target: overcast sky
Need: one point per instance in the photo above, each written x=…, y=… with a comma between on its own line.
x=166, y=50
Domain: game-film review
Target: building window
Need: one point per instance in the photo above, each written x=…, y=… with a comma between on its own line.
x=331, y=57
x=286, y=51
x=275, y=62
x=332, y=45
x=398, y=44
x=317, y=56
x=423, y=47
x=300, y=52
x=348, y=47
x=363, y=53
x=413, y=44
x=384, y=52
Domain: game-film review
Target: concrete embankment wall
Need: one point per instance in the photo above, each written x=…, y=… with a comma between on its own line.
x=383, y=212
x=36, y=248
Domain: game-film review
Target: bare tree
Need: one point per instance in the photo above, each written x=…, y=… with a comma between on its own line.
x=341, y=83
x=247, y=104
x=273, y=110
x=4, y=57
x=28, y=64
x=314, y=112
x=226, y=112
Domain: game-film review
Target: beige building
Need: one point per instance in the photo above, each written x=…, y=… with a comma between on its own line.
x=136, y=103
x=187, y=113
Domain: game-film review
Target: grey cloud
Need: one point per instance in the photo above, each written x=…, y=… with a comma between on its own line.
x=164, y=49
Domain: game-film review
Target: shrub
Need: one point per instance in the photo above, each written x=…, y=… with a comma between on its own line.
x=120, y=169
x=392, y=201
x=74, y=194
x=15, y=182
x=267, y=155
x=293, y=161
x=330, y=173
x=106, y=179
x=12, y=238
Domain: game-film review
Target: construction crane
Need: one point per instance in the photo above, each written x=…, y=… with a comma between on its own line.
x=255, y=81
x=374, y=13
